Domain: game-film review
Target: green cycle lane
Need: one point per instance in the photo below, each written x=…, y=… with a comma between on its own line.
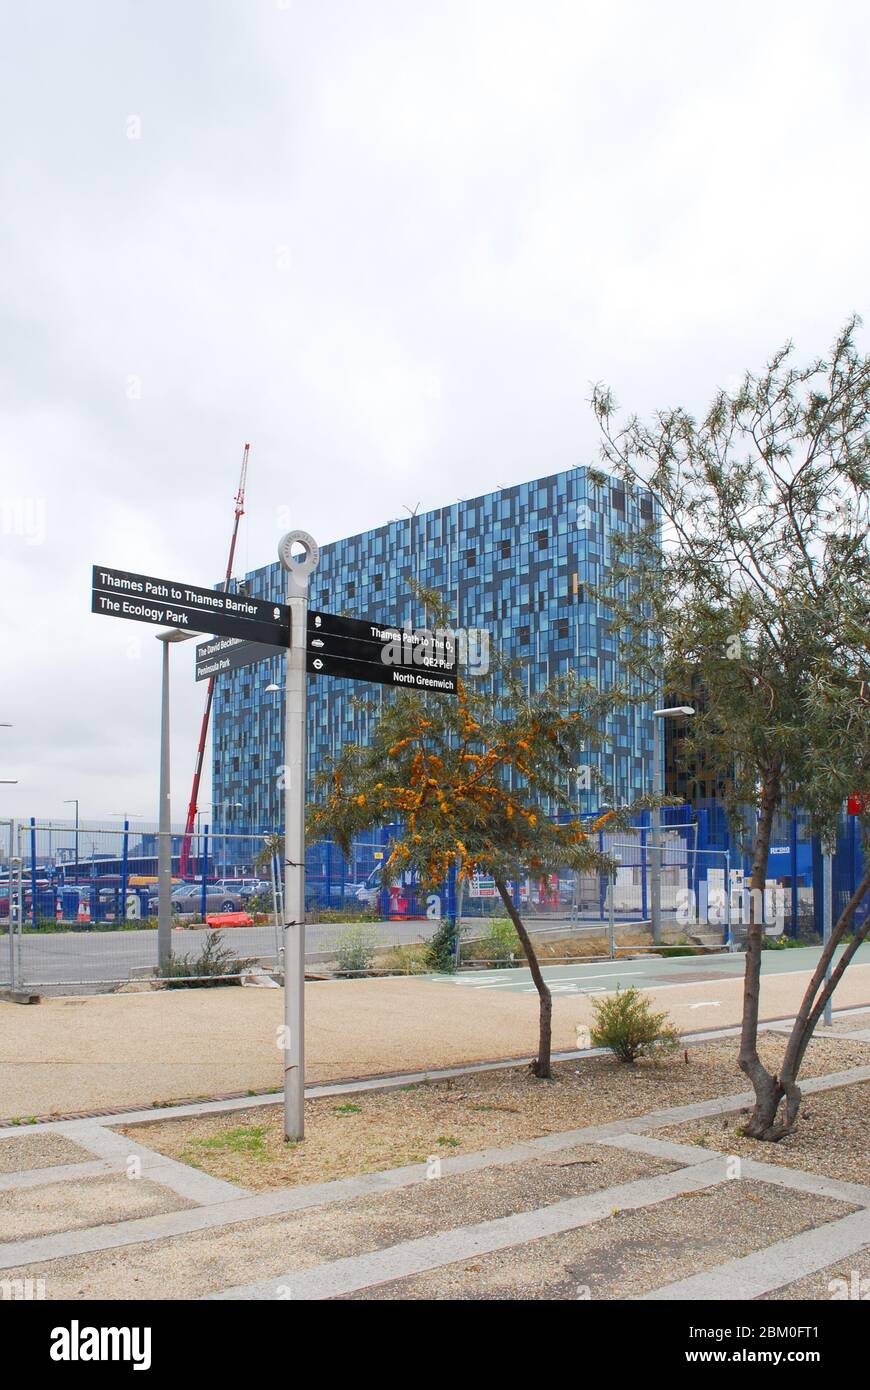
x=599, y=976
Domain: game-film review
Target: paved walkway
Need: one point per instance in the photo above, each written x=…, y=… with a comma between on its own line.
x=806, y=1225
x=101, y=1052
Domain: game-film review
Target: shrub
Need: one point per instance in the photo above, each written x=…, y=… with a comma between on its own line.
x=405, y=960
x=501, y=942
x=441, y=947
x=341, y=914
x=216, y=960
x=626, y=1025
x=355, y=951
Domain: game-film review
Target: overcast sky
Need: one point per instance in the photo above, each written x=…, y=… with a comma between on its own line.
x=390, y=243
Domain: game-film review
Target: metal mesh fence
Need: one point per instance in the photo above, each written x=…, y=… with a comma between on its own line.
x=78, y=905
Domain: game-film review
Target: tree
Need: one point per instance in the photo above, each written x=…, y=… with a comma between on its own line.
x=469, y=780
x=754, y=580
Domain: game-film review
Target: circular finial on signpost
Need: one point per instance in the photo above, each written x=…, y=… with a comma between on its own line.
x=299, y=567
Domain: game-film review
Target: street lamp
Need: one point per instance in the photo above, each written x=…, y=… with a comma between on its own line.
x=235, y=806
x=272, y=689
x=672, y=712
x=74, y=801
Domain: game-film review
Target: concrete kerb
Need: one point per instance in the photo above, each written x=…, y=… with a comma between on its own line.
x=190, y=1109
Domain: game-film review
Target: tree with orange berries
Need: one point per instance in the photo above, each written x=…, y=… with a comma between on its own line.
x=477, y=782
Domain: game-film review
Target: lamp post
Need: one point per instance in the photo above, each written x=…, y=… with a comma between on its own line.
x=70, y=801
x=672, y=712
x=234, y=806
x=267, y=816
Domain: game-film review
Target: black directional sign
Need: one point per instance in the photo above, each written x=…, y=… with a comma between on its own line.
x=416, y=678
x=224, y=654
x=173, y=603
x=373, y=651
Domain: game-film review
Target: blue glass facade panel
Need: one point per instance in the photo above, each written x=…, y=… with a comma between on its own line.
x=518, y=562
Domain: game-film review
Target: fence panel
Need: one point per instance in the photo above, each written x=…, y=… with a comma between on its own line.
x=78, y=905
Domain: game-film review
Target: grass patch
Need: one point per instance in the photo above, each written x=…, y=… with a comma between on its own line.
x=248, y=1140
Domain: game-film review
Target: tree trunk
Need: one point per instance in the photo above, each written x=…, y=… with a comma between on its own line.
x=817, y=994
x=540, y=1067
x=768, y=1089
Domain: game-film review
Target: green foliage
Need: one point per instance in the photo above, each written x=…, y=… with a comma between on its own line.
x=441, y=948
x=411, y=959
x=627, y=1026
x=500, y=942
x=355, y=951
x=780, y=943
x=342, y=914
x=273, y=846
x=473, y=780
x=212, y=966
x=759, y=607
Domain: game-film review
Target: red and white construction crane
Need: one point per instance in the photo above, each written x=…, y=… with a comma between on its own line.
x=184, y=862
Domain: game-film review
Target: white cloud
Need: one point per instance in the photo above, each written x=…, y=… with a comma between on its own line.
x=390, y=244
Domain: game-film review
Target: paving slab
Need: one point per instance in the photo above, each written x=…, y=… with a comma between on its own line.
x=64, y=1206
x=626, y=1253
x=43, y=1150
x=206, y=1261
x=847, y=1280
x=776, y=1265
x=467, y=1242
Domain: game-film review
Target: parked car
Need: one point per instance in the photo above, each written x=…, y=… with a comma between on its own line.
x=225, y=895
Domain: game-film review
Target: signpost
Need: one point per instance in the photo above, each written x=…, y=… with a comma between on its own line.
x=184, y=609
x=247, y=630
x=224, y=654
x=372, y=651
x=173, y=603
x=298, y=573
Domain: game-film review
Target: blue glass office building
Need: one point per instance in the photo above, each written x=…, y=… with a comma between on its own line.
x=518, y=562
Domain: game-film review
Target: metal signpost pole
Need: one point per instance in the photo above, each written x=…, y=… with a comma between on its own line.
x=164, y=826
x=827, y=915
x=298, y=571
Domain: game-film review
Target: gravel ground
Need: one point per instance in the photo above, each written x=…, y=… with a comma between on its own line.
x=628, y=1254
x=832, y=1136
x=373, y=1130
x=190, y=1266
x=66, y=1206
x=135, y=1050
x=851, y=1024
x=39, y=1151
x=852, y=1278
